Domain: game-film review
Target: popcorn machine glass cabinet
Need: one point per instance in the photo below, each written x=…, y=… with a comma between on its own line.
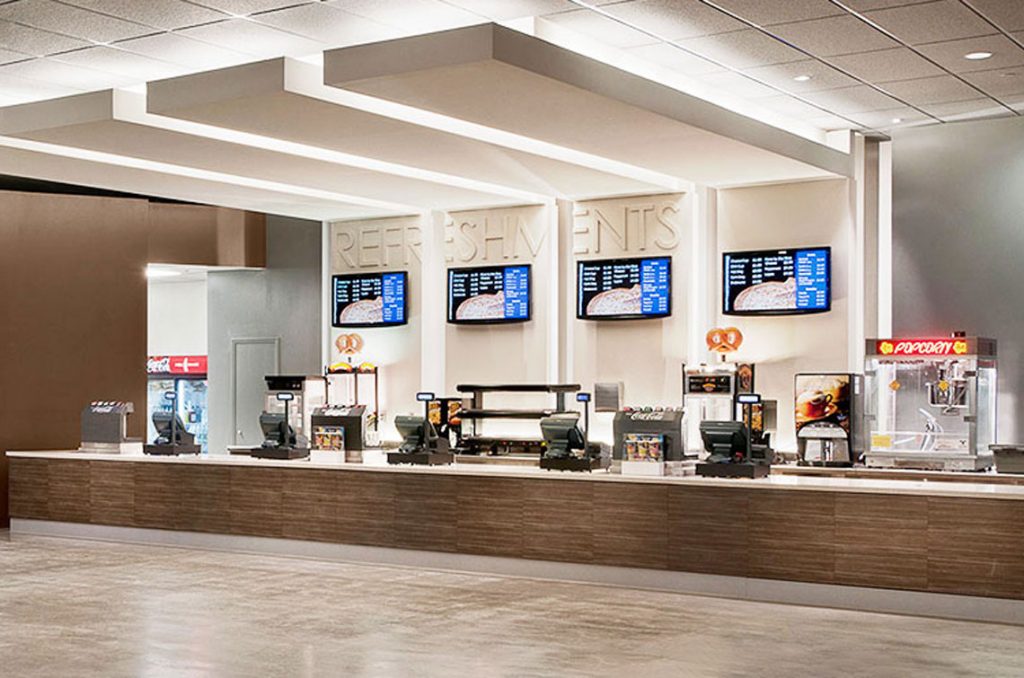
x=931, y=404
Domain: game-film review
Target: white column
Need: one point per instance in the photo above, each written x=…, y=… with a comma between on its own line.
x=433, y=305
x=855, y=279
x=326, y=295
x=703, y=274
x=885, y=239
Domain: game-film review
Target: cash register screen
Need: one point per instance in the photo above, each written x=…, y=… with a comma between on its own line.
x=489, y=294
x=370, y=299
x=777, y=282
x=619, y=289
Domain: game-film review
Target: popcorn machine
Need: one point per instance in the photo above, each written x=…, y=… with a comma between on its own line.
x=931, y=403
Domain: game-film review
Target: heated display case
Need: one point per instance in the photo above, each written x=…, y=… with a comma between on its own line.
x=931, y=403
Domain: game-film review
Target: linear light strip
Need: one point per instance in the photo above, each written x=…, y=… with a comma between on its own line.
x=892, y=36
x=478, y=132
x=131, y=109
x=720, y=64
x=193, y=173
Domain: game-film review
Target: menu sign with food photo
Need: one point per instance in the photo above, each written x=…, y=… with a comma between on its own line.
x=624, y=288
x=821, y=398
x=370, y=299
x=489, y=294
x=777, y=282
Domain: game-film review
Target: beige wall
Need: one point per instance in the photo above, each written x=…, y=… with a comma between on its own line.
x=509, y=353
x=385, y=245
x=781, y=216
x=644, y=355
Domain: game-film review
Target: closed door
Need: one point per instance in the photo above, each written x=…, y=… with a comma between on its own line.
x=253, y=360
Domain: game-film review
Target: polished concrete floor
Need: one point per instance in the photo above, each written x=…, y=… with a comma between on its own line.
x=82, y=609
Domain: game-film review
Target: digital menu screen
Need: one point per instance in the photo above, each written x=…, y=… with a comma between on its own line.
x=621, y=289
x=370, y=299
x=489, y=294
x=777, y=282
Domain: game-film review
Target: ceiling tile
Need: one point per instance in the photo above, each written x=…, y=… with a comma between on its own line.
x=676, y=19
x=179, y=49
x=830, y=122
x=738, y=85
x=822, y=76
x=887, y=64
x=24, y=89
x=1007, y=14
x=883, y=120
x=7, y=56
x=923, y=91
x=418, y=16
x=998, y=83
x=674, y=58
x=513, y=9
x=849, y=100
x=34, y=41
x=251, y=38
x=931, y=22
x=967, y=110
x=65, y=75
x=331, y=26
x=246, y=7
x=865, y=5
x=71, y=21
x=161, y=14
x=768, y=13
x=1005, y=53
x=834, y=35
x=793, y=107
x=743, y=49
x=598, y=27
x=137, y=68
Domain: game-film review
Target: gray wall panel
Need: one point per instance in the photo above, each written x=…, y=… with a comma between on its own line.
x=281, y=301
x=958, y=240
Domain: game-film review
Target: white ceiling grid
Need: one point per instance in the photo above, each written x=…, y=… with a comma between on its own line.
x=873, y=57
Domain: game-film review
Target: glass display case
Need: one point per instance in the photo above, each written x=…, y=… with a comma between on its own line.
x=931, y=403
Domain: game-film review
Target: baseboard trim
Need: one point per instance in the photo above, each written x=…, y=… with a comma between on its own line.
x=945, y=606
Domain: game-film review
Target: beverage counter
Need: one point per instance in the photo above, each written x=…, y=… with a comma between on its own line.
x=962, y=538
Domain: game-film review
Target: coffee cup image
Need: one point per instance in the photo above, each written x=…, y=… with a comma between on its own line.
x=814, y=404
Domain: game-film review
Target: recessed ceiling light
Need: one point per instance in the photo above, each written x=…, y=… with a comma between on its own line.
x=978, y=56
x=802, y=78
x=897, y=121
x=157, y=272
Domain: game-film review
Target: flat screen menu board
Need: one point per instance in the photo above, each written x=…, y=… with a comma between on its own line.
x=370, y=299
x=777, y=282
x=489, y=294
x=619, y=289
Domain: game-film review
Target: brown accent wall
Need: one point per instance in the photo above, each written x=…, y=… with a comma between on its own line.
x=204, y=235
x=73, y=303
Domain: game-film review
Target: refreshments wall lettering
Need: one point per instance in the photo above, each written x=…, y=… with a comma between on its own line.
x=631, y=228
x=493, y=237
x=375, y=244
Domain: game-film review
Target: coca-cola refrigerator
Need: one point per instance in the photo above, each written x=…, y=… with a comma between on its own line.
x=186, y=376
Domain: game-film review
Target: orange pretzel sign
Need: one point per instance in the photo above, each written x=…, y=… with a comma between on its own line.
x=724, y=339
x=349, y=344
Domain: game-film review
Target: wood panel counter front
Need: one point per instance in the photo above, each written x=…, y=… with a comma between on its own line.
x=953, y=538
